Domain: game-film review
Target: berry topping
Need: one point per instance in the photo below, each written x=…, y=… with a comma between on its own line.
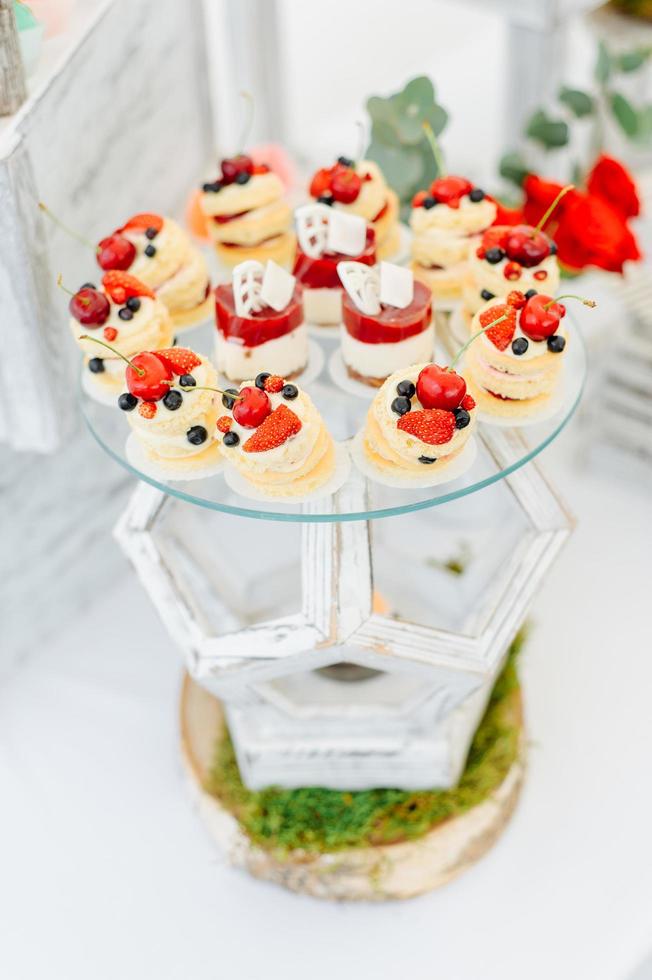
x=449, y=190
x=133, y=304
x=127, y=402
x=540, y=317
x=115, y=252
x=96, y=365
x=519, y=346
x=321, y=182
x=147, y=409
x=252, y=408
x=468, y=403
x=540, y=275
x=144, y=222
x=485, y=294
x=224, y=423
x=150, y=251
x=527, y=245
x=120, y=286
x=345, y=161
x=556, y=344
x=274, y=384
x=401, y=405
x=495, y=238
x=429, y=202
x=242, y=178
x=197, y=435
x=187, y=381
x=512, y=271
x=229, y=397
x=494, y=255
x=502, y=333
x=261, y=379
x=345, y=186
x=150, y=233
x=462, y=418
x=427, y=459
x=439, y=387
x=110, y=333
x=530, y=293
x=231, y=439
x=233, y=166
x=148, y=376
x=405, y=388
x=90, y=307
x=212, y=187
x=125, y=313
x=276, y=429
x=419, y=198
x=516, y=299
x=173, y=400
x=326, y=199
x=88, y=285
x=476, y=195
x=180, y=360
x=289, y=392
x=432, y=425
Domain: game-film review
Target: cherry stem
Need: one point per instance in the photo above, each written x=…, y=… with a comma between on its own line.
x=436, y=150
x=236, y=398
x=69, y=231
x=140, y=371
x=542, y=221
x=587, y=302
x=81, y=299
x=248, y=121
x=475, y=337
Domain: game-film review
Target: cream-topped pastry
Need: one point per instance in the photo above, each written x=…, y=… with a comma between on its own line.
x=446, y=221
x=386, y=321
x=418, y=424
x=360, y=188
x=508, y=258
x=259, y=319
x=247, y=215
x=158, y=251
x=275, y=438
x=125, y=314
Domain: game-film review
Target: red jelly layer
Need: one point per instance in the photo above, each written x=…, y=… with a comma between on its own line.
x=391, y=324
x=254, y=330
x=321, y=273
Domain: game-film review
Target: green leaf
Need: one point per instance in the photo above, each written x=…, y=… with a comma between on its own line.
x=632, y=60
x=580, y=103
x=644, y=132
x=513, y=167
x=551, y=133
x=603, y=64
x=625, y=113
x=402, y=168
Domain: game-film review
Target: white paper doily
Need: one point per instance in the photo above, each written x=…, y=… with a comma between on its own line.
x=242, y=486
x=137, y=457
x=460, y=465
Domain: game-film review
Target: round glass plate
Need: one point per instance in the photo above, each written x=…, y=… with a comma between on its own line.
x=501, y=450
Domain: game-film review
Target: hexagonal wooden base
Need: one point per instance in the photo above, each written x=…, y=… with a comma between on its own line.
x=371, y=873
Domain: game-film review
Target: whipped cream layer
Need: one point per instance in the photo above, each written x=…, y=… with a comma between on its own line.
x=381, y=360
x=543, y=277
x=285, y=356
x=260, y=190
x=470, y=218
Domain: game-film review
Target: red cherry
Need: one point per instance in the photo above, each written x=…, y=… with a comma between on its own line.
x=536, y=322
x=438, y=387
x=233, y=166
x=526, y=245
x=449, y=190
x=321, y=182
x=90, y=307
x=252, y=408
x=151, y=385
x=115, y=252
x=345, y=185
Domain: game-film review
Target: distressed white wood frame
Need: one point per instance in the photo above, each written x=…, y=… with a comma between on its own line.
x=420, y=742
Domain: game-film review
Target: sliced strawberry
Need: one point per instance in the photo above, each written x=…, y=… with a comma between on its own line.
x=501, y=335
x=120, y=286
x=224, y=423
x=516, y=299
x=273, y=384
x=260, y=168
x=419, y=198
x=434, y=426
x=276, y=429
x=467, y=403
x=110, y=333
x=321, y=182
x=179, y=359
x=495, y=237
x=147, y=409
x=141, y=222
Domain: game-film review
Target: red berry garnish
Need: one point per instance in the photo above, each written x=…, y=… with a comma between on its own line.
x=260, y=168
x=276, y=429
x=495, y=237
x=153, y=381
x=419, y=198
x=467, y=403
x=141, y=222
x=516, y=299
x=432, y=425
x=449, y=190
x=527, y=245
x=321, y=182
x=501, y=335
x=541, y=274
x=273, y=384
x=481, y=252
x=115, y=252
x=147, y=409
x=512, y=271
x=110, y=333
x=345, y=185
x=252, y=408
x=224, y=423
x=180, y=360
x=233, y=166
x=538, y=323
x=90, y=307
x=121, y=286
x=438, y=387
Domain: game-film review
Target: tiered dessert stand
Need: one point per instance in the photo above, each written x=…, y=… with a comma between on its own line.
x=348, y=651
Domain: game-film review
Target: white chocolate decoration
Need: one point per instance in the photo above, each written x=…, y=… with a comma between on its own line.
x=362, y=283
x=278, y=286
x=347, y=233
x=396, y=285
x=312, y=228
x=247, y=282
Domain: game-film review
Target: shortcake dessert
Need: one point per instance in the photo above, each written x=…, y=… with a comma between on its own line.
x=386, y=321
x=259, y=319
x=275, y=438
x=126, y=317
x=418, y=424
x=247, y=215
x=446, y=220
x=360, y=188
x=325, y=238
x=159, y=252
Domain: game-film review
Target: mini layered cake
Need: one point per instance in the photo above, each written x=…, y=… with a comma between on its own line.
x=446, y=221
x=386, y=321
x=360, y=188
x=513, y=366
x=159, y=253
x=520, y=257
x=259, y=320
x=275, y=438
x=127, y=316
x=172, y=406
x=417, y=425
x=326, y=238
x=247, y=216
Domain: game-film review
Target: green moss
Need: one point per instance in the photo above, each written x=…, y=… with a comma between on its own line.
x=322, y=820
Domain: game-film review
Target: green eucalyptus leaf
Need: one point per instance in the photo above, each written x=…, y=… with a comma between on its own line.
x=383, y=131
x=644, y=128
x=419, y=92
x=437, y=117
x=513, y=167
x=625, y=114
x=550, y=133
x=632, y=60
x=603, y=64
x=402, y=168
x=580, y=103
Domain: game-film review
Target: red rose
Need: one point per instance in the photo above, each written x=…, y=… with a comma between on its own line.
x=539, y=195
x=610, y=181
x=506, y=216
x=592, y=232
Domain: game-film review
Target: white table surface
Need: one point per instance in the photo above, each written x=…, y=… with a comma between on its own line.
x=107, y=873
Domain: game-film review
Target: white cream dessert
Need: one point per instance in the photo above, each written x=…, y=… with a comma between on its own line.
x=157, y=251
x=259, y=319
x=386, y=321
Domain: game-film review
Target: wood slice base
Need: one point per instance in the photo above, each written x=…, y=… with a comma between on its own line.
x=390, y=871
